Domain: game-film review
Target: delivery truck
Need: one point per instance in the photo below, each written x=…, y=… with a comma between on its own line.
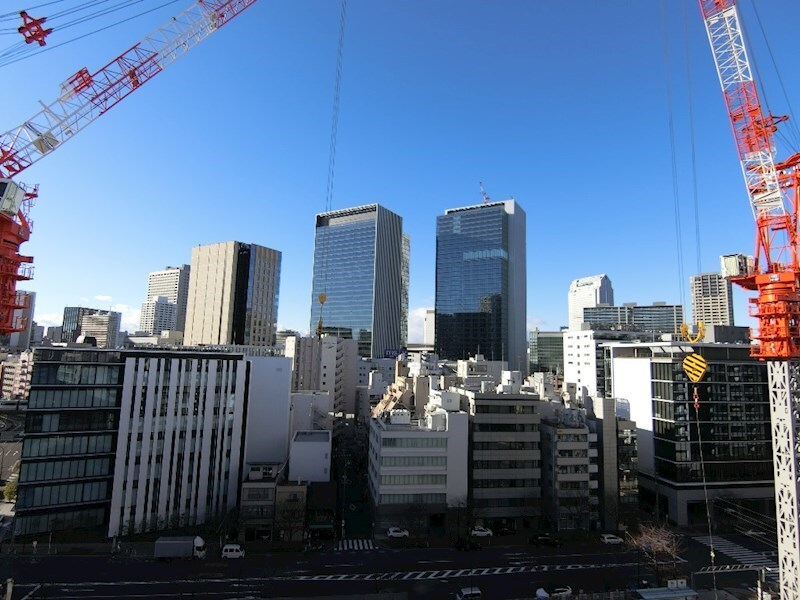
x=168, y=548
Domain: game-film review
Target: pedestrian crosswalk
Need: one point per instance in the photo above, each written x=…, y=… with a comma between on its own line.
x=343, y=545
x=743, y=555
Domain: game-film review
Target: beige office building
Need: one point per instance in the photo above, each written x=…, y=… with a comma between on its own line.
x=712, y=299
x=233, y=295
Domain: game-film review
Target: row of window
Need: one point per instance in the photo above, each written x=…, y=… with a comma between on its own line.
x=505, y=445
x=413, y=461
x=505, y=427
x=64, y=469
x=47, y=374
x=62, y=445
x=506, y=464
x=72, y=398
x=505, y=483
x=72, y=520
x=67, y=493
x=420, y=442
x=72, y=421
x=423, y=479
x=412, y=499
x=517, y=409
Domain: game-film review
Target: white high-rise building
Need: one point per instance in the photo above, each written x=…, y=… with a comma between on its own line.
x=233, y=295
x=171, y=283
x=158, y=314
x=588, y=292
x=429, y=328
x=712, y=300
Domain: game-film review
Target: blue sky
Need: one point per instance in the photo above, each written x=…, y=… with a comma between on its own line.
x=562, y=105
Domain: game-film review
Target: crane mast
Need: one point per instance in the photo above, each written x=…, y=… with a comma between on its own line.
x=774, y=192
x=84, y=97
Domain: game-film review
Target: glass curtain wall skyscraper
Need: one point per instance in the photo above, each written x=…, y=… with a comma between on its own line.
x=481, y=283
x=361, y=268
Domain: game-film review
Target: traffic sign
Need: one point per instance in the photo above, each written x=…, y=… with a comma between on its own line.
x=695, y=367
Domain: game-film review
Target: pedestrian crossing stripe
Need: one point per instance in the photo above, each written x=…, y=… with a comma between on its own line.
x=354, y=545
x=695, y=367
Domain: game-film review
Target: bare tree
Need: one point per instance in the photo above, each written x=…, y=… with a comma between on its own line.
x=290, y=521
x=658, y=545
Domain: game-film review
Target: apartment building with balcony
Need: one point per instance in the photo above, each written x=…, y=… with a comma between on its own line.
x=570, y=474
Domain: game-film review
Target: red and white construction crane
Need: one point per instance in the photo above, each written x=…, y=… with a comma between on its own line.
x=84, y=97
x=774, y=191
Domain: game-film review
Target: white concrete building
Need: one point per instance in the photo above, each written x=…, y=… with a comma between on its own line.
x=158, y=314
x=310, y=457
x=588, y=292
x=583, y=359
x=310, y=410
x=179, y=440
x=171, y=283
x=429, y=327
x=476, y=370
x=268, y=407
x=328, y=364
x=712, y=299
x=16, y=376
x=420, y=464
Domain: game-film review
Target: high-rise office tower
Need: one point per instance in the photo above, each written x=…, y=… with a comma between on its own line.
x=71, y=326
x=158, y=314
x=481, y=283
x=588, y=292
x=233, y=295
x=712, y=300
x=171, y=283
x=360, y=264
x=103, y=326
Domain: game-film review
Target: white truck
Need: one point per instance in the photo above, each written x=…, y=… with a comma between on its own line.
x=167, y=548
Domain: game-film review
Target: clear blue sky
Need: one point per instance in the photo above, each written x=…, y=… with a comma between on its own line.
x=562, y=105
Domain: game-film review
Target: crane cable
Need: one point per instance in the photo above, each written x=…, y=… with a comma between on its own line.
x=695, y=198
x=679, y=237
x=673, y=153
x=791, y=123
x=323, y=296
x=16, y=52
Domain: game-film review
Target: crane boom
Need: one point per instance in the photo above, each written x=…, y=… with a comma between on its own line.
x=774, y=192
x=85, y=96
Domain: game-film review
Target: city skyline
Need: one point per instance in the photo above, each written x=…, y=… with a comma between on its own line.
x=487, y=134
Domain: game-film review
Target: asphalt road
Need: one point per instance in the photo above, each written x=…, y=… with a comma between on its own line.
x=502, y=572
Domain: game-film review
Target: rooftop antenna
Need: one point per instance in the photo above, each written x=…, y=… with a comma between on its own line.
x=484, y=195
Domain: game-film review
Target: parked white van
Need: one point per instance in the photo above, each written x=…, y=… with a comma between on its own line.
x=470, y=593
x=232, y=551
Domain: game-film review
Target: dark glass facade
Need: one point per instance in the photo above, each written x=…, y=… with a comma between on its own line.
x=358, y=265
x=546, y=351
x=70, y=442
x=480, y=281
x=734, y=423
x=71, y=327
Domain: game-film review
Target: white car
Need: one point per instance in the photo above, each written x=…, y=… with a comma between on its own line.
x=561, y=592
x=610, y=538
x=396, y=532
x=479, y=531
